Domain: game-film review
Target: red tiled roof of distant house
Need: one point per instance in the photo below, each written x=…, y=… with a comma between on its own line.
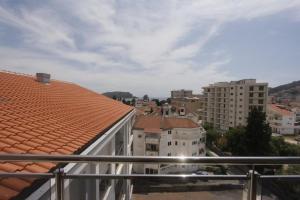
x=54, y=118
x=282, y=111
x=159, y=122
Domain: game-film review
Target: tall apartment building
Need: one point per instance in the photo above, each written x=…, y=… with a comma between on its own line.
x=181, y=93
x=227, y=104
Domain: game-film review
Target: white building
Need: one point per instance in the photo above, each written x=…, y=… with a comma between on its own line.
x=281, y=120
x=167, y=136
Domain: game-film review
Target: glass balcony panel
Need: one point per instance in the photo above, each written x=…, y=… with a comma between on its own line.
x=189, y=189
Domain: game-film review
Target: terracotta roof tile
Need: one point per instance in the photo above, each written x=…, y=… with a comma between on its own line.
x=7, y=193
x=280, y=109
x=14, y=183
x=158, y=122
x=36, y=168
x=57, y=118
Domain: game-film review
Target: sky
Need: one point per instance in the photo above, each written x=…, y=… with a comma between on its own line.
x=152, y=46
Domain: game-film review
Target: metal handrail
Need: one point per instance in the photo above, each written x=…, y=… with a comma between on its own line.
x=151, y=159
x=60, y=176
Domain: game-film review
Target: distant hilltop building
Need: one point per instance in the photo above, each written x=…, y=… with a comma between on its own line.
x=167, y=136
x=181, y=93
x=227, y=104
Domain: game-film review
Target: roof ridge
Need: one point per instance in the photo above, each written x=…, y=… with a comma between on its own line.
x=33, y=76
x=15, y=73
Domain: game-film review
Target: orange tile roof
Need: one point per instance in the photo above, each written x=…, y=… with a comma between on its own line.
x=55, y=118
x=159, y=122
x=279, y=109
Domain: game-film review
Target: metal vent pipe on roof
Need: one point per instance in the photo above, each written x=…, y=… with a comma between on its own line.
x=43, y=77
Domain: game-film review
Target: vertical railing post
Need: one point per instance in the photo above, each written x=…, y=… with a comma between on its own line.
x=252, y=189
x=59, y=183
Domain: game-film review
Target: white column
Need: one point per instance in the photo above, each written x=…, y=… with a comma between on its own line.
x=126, y=153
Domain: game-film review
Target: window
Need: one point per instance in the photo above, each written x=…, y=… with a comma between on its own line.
x=260, y=101
x=260, y=94
x=241, y=106
x=251, y=95
x=261, y=88
x=151, y=147
x=231, y=88
x=169, y=143
x=169, y=132
x=251, y=88
x=183, y=143
x=241, y=87
x=241, y=99
x=151, y=171
x=250, y=100
x=241, y=93
x=169, y=154
x=231, y=99
x=231, y=93
x=139, y=136
x=201, y=151
x=176, y=143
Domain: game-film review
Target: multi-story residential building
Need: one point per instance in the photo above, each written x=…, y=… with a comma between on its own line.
x=167, y=136
x=43, y=116
x=282, y=120
x=227, y=104
x=181, y=93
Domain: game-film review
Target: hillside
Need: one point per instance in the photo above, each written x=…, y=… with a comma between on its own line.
x=289, y=91
x=118, y=94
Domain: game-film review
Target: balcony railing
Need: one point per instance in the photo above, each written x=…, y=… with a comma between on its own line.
x=252, y=176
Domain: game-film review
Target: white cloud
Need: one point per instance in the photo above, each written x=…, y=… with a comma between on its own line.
x=138, y=46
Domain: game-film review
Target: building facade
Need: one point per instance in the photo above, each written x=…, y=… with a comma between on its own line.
x=190, y=104
x=227, y=104
x=167, y=136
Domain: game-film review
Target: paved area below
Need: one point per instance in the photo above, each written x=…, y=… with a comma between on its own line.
x=202, y=195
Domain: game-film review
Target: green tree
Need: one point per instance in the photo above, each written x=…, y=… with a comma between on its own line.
x=212, y=137
x=257, y=134
x=169, y=100
x=133, y=102
x=281, y=148
x=156, y=101
x=235, y=139
x=208, y=126
x=146, y=97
